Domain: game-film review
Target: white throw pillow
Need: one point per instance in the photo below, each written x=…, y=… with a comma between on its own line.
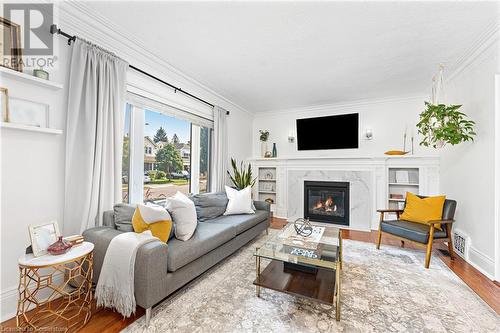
x=183, y=213
x=240, y=202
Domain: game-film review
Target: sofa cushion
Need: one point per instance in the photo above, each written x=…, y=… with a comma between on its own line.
x=209, y=205
x=207, y=237
x=414, y=231
x=242, y=222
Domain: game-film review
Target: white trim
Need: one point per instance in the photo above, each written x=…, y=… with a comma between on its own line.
x=483, y=43
x=496, y=213
x=481, y=262
x=341, y=105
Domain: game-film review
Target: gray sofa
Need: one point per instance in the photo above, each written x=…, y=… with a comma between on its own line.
x=160, y=268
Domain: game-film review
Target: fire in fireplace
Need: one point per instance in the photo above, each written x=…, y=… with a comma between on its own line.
x=327, y=201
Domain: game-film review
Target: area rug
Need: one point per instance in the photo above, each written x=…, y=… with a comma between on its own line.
x=382, y=291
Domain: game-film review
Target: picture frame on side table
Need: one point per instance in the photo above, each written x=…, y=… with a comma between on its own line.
x=28, y=113
x=42, y=236
x=11, y=41
x=4, y=102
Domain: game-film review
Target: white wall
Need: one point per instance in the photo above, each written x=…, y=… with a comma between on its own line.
x=32, y=164
x=387, y=118
x=468, y=170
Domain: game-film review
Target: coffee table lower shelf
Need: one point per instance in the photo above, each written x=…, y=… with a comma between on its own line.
x=320, y=287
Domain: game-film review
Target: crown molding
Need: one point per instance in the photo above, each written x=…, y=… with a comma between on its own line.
x=482, y=44
x=76, y=17
x=342, y=105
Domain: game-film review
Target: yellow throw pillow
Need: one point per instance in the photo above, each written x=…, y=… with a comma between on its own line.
x=155, y=219
x=423, y=210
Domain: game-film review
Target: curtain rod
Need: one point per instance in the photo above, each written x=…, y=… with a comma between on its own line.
x=55, y=30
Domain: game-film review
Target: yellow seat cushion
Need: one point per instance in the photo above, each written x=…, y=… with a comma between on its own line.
x=423, y=210
x=153, y=218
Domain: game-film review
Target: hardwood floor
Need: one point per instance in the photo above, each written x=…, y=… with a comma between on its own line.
x=108, y=321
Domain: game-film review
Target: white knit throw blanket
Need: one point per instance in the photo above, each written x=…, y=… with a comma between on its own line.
x=115, y=288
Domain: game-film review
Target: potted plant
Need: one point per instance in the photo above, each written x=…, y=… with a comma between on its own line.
x=441, y=124
x=263, y=136
x=242, y=176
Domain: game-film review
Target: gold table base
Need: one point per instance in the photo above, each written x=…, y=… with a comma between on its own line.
x=43, y=305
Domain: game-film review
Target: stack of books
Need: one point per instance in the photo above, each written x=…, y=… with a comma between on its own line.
x=75, y=240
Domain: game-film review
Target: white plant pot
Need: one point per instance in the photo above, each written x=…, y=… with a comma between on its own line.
x=263, y=148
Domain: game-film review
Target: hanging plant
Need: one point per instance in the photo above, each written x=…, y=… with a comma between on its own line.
x=441, y=124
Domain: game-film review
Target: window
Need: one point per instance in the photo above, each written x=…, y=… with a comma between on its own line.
x=165, y=150
x=126, y=156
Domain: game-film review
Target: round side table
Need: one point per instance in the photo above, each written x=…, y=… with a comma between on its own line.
x=55, y=291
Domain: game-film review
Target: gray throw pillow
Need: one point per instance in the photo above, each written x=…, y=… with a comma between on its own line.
x=123, y=217
x=209, y=205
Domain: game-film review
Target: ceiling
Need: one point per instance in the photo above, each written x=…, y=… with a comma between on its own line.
x=278, y=55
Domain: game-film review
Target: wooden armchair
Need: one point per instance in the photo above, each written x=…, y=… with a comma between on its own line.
x=418, y=232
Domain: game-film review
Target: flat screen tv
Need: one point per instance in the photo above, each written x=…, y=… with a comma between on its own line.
x=330, y=132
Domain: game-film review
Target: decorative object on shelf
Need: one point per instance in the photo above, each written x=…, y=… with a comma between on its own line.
x=440, y=123
x=275, y=151
x=396, y=196
x=42, y=236
x=268, y=154
x=59, y=247
x=266, y=186
x=395, y=152
x=269, y=201
x=263, y=136
x=291, y=137
x=303, y=227
x=11, y=42
x=29, y=113
x=4, y=102
x=268, y=175
x=402, y=176
x=40, y=73
x=242, y=176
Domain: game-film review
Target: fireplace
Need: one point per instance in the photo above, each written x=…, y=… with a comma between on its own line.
x=327, y=201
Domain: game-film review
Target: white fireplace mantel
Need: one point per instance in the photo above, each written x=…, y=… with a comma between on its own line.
x=368, y=177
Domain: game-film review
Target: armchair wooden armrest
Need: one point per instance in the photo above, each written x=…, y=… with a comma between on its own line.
x=440, y=221
x=389, y=210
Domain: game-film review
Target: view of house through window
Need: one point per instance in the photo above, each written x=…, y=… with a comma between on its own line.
x=174, y=156
x=167, y=156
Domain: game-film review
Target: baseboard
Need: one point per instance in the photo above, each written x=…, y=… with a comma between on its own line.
x=481, y=262
x=8, y=298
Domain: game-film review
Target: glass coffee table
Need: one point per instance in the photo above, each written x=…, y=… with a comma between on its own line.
x=307, y=267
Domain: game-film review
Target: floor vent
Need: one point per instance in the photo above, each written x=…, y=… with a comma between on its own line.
x=461, y=243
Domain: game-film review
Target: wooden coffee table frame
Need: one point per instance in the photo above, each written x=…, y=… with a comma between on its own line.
x=323, y=287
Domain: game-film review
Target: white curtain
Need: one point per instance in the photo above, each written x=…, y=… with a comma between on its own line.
x=219, y=161
x=94, y=135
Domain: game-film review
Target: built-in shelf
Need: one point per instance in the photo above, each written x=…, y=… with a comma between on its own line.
x=30, y=79
x=404, y=184
x=31, y=128
x=267, y=192
x=398, y=200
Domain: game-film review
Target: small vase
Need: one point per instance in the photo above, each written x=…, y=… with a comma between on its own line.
x=263, y=148
x=59, y=247
x=275, y=151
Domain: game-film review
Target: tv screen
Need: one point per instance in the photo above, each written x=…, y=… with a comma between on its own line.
x=331, y=132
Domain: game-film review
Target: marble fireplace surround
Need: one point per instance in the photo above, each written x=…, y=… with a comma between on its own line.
x=367, y=176
x=360, y=193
